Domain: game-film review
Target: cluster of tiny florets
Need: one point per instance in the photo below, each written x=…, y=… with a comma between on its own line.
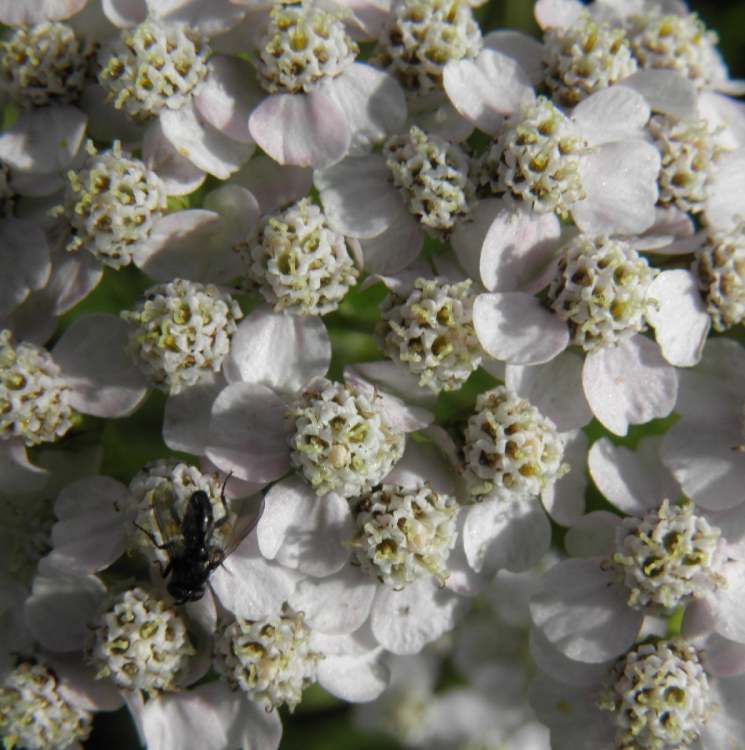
x=404, y=533
x=676, y=42
x=152, y=67
x=300, y=264
x=432, y=175
x=160, y=496
x=510, y=448
x=44, y=64
x=585, y=58
x=431, y=333
x=536, y=159
x=181, y=332
x=34, y=714
x=34, y=398
x=688, y=152
x=601, y=290
x=668, y=557
x=304, y=45
x=422, y=36
x=720, y=267
x=112, y=204
x=340, y=439
x=270, y=660
x=140, y=642
x=658, y=697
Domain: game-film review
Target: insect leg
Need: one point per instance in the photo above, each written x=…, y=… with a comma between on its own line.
x=226, y=513
x=151, y=537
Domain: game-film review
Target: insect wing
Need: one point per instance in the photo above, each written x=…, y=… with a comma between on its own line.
x=166, y=521
x=244, y=525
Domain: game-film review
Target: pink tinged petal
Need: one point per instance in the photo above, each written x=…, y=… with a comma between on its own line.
x=14, y=13
x=61, y=608
x=73, y=277
x=583, y=613
x=19, y=474
x=517, y=328
x=629, y=383
x=555, y=388
x=631, y=484
x=179, y=175
x=24, y=258
x=612, y=114
x=247, y=433
x=303, y=531
x=423, y=462
x=726, y=202
x=707, y=465
x=78, y=684
x=511, y=534
x=226, y=98
x=337, y=604
x=445, y=121
x=395, y=379
x=525, y=50
x=557, y=14
x=274, y=185
x=678, y=316
x=407, y=620
x=43, y=140
x=250, y=586
x=125, y=13
x=370, y=16
x=208, y=717
x=568, y=671
x=724, y=658
x=469, y=235
x=394, y=248
x=92, y=355
x=620, y=183
x=187, y=416
x=307, y=130
x=283, y=352
x=91, y=532
x=518, y=251
x=210, y=17
x=355, y=679
x=358, y=198
x=564, y=501
x=373, y=104
x=665, y=91
x=487, y=89
x=202, y=144
x=594, y=535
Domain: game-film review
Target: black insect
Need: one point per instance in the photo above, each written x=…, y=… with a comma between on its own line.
x=195, y=554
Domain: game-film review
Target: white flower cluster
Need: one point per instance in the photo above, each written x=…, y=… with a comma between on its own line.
x=361, y=348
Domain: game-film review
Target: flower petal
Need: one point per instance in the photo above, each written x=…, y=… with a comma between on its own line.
x=665, y=91
x=355, y=678
x=180, y=176
x=594, y=535
x=469, y=235
x=24, y=258
x=612, y=114
x=274, y=185
x=395, y=248
x=564, y=501
x=30, y=12
x=187, y=415
x=557, y=14
x=724, y=207
x=524, y=49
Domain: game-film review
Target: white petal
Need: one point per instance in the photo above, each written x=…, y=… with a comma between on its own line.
x=423, y=462
x=307, y=130
x=14, y=13
x=555, y=388
x=397, y=380
x=564, y=501
x=373, y=103
x=557, y=14
x=594, y=535
x=405, y=621
x=518, y=251
x=61, y=608
x=18, y=473
x=612, y=114
x=487, y=89
x=724, y=658
x=629, y=384
x=208, y=16
x=358, y=198
x=77, y=683
x=395, y=248
x=665, y=91
x=201, y=143
x=726, y=203
x=355, y=679
x=283, y=352
x=179, y=175
x=125, y=13
x=303, y=531
x=620, y=182
x=511, y=534
x=583, y=613
x=568, y=671
x=247, y=434
x=524, y=49
x=208, y=717
x=678, y=316
x=515, y=327
x=337, y=604
x=24, y=258
x=728, y=601
x=187, y=415
x=93, y=357
x=91, y=532
x=274, y=185
x=43, y=140
x=726, y=728
x=468, y=237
